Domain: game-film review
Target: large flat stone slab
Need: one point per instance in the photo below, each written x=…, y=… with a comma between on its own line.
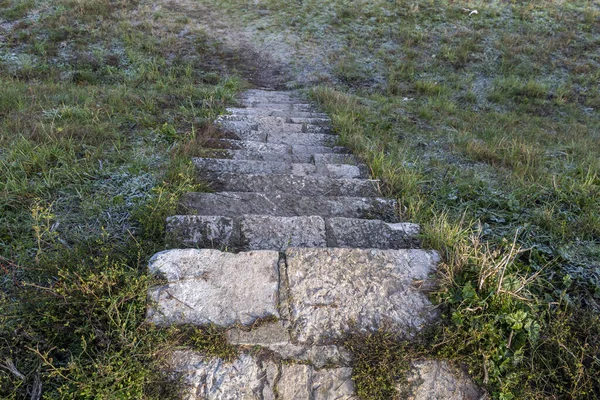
x=279, y=233
x=251, y=378
x=302, y=139
x=210, y=286
x=290, y=107
x=246, y=154
x=283, y=112
x=294, y=184
x=376, y=234
x=206, y=378
x=331, y=289
x=220, y=165
x=303, y=382
x=258, y=146
x=270, y=125
x=230, y=204
x=265, y=232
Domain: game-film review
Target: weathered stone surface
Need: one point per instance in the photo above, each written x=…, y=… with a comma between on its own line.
x=300, y=148
x=203, y=231
x=210, y=286
x=329, y=158
x=432, y=379
x=331, y=288
x=294, y=185
x=301, y=382
x=214, y=379
x=264, y=232
x=302, y=107
x=261, y=156
x=221, y=165
x=279, y=233
x=304, y=139
x=361, y=233
x=248, y=377
x=230, y=204
x=258, y=113
x=276, y=338
x=236, y=144
x=266, y=96
x=270, y=125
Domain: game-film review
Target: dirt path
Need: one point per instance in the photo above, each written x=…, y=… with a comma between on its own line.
x=269, y=60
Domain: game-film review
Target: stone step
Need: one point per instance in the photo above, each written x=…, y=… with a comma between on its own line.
x=294, y=185
x=220, y=165
x=252, y=97
x=301, y=107
x=253, y=376
x=264, y=232
x=288, y=138
x=329, y=158
x=246, y=125
x=282, y=154
x=248, y=154
x=231, y=204
x=252, y=145
x=318, y=292
x=256, y=114
x=279, y=120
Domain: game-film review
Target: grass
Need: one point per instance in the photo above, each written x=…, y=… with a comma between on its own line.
x=485, y=127
x=98, y=114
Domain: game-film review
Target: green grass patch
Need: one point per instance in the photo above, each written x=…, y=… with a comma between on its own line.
x=96, y=128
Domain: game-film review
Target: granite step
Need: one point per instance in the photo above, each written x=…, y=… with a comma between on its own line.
x=265, y=232
x=293, y=185
x=252, y=113
x=262, y=118
x=301, y=107
x=254, y=145
x=220, y=165
x=245, y=125
x=288, y=138
x=282, y=155
x=231, y=204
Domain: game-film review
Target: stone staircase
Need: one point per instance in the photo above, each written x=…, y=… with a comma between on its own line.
x=293, y=250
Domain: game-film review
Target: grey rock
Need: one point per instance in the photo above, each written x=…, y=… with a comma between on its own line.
x=432, y=379
x=206, y=231
x=276, y=338
x=210, y=286
x=212, y=378
x=258, y=146
x=330, y=289
x=230, y=204
x=244, y=133
x=294, y=185
x=361, y=233
x=300, y=148
x=263, y=156
x=301, y=382
x=279, y=233
x=330, y=158
x=302, y=107
x=264, y=232
x=303, y=139
x=270, y=125
x=248, y=377
x=285, y=112
x=221, y=165
x=255, y=146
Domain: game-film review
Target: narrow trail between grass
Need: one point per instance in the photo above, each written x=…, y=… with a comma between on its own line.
x=311, y=255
